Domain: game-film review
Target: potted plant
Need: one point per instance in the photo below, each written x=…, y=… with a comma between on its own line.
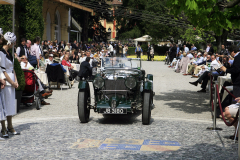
x=21, y=82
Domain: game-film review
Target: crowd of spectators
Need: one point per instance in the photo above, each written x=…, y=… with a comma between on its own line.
x=208, y=63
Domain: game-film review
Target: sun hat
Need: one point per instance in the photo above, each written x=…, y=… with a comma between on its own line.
x=57, y=59
x=50, y=55
x=10, y=37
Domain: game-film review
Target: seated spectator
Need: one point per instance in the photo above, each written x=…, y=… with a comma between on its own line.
x=50, y=59
x=45, y=94
x=201, y=67
x=62, y=55
x=25, y=64
x=56, y=61
x=230, y=113
x=206, y=75
x=179, y=57
x=192, y=66
x=65, y=62
x=67, y=48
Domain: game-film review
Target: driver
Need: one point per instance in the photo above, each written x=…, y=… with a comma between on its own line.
x=114, y=62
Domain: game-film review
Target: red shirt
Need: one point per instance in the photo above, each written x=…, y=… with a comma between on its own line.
x=66, y=63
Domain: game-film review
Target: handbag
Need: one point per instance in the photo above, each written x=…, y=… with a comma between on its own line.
x=32, y=59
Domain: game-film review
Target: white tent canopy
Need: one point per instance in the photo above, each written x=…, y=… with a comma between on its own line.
x=11, y=2
x=145, y=38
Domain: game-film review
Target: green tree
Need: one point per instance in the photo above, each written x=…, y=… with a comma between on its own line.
x=29, y=18
x=6, y=17
x=218, y=17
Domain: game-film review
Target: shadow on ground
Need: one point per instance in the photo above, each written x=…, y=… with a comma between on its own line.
x=121, y=119
x=185, y=100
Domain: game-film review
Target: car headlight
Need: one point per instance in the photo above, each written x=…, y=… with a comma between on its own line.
x=130, y=82
x=98, y=82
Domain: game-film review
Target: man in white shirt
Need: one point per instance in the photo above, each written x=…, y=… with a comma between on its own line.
x=22, y=50
x=25, y=64
x=186, y=49
x=88, y=55
x=110, y=49
x=50, y=59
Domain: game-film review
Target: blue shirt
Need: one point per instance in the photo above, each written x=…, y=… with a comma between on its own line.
x=194, y=48
x=177, y=50
x=199, y=60
x=54, y=64
x=140, y=49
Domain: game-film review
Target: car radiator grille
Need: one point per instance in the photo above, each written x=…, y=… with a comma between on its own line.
x=115, y=85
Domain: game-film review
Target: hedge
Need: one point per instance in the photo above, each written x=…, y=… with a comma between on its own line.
x=158, y=50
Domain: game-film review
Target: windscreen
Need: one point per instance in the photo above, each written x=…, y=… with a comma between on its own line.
x=116, y=62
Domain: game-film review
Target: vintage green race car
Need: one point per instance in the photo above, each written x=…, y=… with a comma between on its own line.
x=120, y=87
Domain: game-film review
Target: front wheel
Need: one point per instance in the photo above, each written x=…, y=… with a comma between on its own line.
x=146, y=110
x=83, y=110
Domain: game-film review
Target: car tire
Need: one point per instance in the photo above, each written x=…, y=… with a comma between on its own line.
x=83, y=110
x=38, y=103
x=146, y=110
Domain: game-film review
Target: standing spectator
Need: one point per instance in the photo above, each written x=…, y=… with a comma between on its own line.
x=152, y=53
x=178, y=49
x=124, y=51
x=22, y=49
x=208, y=48
x=231, y=110
x=85, y=69
x=186, y=49
x=7, y=64
x=222, y=53
x=74, y=45
x=173, y=52
x=211, y=50
x=110, y=49
x=120, y=50
x=35, y=51
x=148, y=52
x=138, y=51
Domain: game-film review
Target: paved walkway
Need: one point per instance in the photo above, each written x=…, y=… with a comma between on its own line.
x=178, y=128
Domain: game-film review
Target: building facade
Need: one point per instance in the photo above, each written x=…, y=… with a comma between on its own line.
x=57, y=20
x=111, y=25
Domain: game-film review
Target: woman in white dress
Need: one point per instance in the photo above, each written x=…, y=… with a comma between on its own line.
x=2, y=85
x=11, y=83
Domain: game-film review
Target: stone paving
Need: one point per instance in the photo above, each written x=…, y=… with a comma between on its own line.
x=180, y=115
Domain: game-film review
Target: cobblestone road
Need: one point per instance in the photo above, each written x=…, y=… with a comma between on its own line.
x=177, y=130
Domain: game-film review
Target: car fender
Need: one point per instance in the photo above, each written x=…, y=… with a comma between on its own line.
x=83, y=85
x=148, y=86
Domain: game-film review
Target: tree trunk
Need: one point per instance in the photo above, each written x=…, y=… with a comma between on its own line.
x=85, y=27
x=221, y=40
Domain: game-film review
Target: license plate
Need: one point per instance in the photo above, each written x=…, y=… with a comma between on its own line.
x=113, y=111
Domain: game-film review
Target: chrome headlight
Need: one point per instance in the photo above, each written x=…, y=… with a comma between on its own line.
x=130, y=82
x=98, y=82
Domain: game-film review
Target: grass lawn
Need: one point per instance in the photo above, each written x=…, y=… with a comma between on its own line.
x=144, y=57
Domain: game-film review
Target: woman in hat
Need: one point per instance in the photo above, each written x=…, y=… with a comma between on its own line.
x=7, y=63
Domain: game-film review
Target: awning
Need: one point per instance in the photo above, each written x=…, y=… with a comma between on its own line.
x=76, y=25
x=75, y=5
x=9, y=2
